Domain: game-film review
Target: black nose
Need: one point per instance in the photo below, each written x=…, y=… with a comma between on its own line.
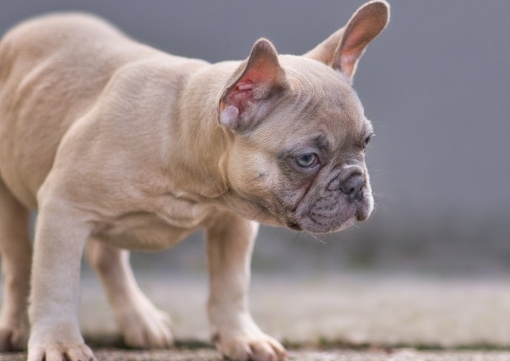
x=353, y=187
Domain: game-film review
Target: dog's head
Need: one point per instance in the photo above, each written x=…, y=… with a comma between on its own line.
x=298, y=132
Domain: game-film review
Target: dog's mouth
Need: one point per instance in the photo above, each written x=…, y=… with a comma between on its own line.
x=326, y=212
x=294, y=226
x=332, y=215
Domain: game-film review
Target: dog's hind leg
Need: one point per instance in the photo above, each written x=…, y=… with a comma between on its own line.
x=142, y=324
x=16, y=252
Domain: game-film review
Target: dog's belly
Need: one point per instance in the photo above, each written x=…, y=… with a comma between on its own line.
x=143, y=231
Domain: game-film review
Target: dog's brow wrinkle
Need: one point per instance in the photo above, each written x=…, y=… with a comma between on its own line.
x=321, y=142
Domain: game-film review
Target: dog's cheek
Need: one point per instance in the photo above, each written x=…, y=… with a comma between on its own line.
x=251, y=172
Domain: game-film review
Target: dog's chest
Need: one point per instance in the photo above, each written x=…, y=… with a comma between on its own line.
x=166, y=224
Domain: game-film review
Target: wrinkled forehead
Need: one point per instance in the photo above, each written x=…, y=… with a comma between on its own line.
x=320, y=100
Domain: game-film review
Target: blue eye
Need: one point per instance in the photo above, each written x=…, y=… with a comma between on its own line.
x=306, y=160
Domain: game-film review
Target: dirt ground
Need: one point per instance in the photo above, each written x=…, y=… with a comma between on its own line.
x=337, y=309
x=327, y=317
x=331, y=355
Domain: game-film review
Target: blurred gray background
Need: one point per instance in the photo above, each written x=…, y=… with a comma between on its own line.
x=436, y=85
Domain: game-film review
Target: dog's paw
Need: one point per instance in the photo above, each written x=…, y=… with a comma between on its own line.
x=146, y=327
x=254, y=347
x=58, y=352
x=13, y=338
x=57, y=341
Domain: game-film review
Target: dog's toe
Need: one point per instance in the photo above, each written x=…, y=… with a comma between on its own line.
x=262, y=351
x=13, y=339
x=267, y=349
x=149, y=329
x=259, y=348
x=59, y=352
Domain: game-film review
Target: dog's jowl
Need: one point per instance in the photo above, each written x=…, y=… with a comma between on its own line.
x=120, y=146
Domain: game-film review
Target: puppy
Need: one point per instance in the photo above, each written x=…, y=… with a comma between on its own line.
x=121, y=146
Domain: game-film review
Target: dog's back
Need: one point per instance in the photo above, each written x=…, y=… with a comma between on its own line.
x=53, y=69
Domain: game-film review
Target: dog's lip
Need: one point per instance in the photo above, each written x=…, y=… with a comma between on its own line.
x=302, y=218
x=362, y=216
x=294, y=225
x=364, y=209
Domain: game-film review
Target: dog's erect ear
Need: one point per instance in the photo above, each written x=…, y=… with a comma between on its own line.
x=244, y=101
x=343, y=48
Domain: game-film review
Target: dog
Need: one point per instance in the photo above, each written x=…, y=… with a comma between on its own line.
x=120, y=146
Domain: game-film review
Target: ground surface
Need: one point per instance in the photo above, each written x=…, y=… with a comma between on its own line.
x=328, y=317
x=344, y=355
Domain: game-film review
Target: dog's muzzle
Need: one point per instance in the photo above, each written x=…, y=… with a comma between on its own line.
x=345, y=200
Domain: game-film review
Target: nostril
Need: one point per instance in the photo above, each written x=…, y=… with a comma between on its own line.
x=348, y=190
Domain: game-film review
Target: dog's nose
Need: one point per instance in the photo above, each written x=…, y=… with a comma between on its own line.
x=349, y=181
x=353, y=187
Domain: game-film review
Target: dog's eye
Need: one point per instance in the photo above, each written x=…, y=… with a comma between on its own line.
x=367, y=140
x=307, y=160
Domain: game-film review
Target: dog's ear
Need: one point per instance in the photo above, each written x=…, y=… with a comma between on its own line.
x=343, y=48
x=245, y=100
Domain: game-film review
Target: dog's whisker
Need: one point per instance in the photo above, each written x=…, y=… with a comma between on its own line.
x=317, y=239
x=381, y=195
x=297, y=236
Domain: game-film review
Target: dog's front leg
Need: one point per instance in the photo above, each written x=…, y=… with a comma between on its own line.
x=61, y=234
x=230, y=241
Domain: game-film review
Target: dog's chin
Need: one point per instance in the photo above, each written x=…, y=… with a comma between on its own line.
x=312, y=226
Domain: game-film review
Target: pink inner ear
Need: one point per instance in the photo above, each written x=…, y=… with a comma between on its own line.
x=357, y=41
x=241, y=94
x=261, y=75
x=348, y=61
x=365, y=25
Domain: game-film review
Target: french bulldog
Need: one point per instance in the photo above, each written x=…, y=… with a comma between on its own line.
x=121, y=147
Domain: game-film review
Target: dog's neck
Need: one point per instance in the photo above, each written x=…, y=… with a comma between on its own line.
x=201, y=168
